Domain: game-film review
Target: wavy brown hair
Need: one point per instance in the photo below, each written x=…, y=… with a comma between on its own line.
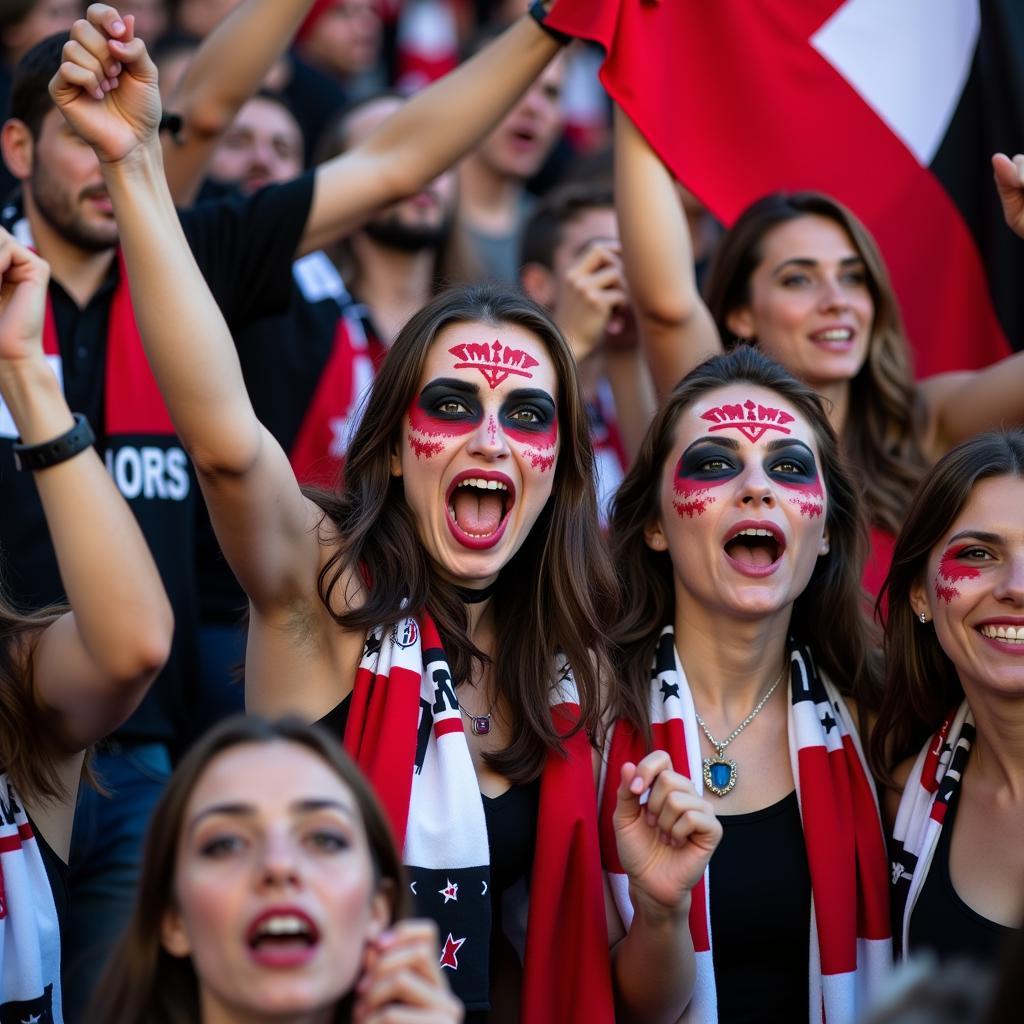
x=883, y=432
x=27, y=755
x=143, y=983
x=829, y=615
x=921, y=683
x=556, y=593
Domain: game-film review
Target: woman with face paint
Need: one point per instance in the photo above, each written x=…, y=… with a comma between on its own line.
x=271, y=890
x=738, y=539
x=443, y=613
x=953, y=704
x=799, y=276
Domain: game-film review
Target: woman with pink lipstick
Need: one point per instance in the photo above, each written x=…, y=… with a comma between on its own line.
x=802, y=278
x=738, y=539
x=464, y=555
x=271, y=890
x=954, y=689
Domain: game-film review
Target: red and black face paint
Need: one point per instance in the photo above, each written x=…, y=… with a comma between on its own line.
x=530, y=418
x=497, y=362
x=793, y=465
x=702, y=467
x=445, y=409
x=952, y=571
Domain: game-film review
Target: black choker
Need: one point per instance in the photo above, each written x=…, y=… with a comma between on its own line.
x=471, y=596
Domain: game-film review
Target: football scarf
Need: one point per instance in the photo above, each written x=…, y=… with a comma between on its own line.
x=850, y=945
x=932, y=783
x=405, y=731
x=318, y=452
x=29, y=929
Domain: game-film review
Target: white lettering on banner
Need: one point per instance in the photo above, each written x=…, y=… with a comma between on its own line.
x=7, y=427
x=149, y=472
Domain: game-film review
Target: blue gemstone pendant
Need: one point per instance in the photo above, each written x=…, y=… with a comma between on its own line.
x=719, y=775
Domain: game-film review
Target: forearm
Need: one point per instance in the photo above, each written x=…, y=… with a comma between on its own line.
x=633, y=393
x=228, y=69
x=186, y=339
x=122, y=615
x=675, y=327
x=429, y=134
x=654, y=967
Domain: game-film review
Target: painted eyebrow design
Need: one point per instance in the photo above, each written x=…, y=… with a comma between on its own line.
x=792, y=442
x=803, y=261
x=462, y=387
x=714, y=442
x=240, y=810
x=529, y=395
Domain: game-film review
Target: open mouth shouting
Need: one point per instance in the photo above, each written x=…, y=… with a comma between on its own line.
x=283, y=937
x=755, y=547
x=479, y=504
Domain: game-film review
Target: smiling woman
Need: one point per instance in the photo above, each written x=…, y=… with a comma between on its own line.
x=738, y=538
x=955, y=682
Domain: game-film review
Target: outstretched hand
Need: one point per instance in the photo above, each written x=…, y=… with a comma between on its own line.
x=106, y=86
x=1009, y=175
x=23, y=280
x=664, y=845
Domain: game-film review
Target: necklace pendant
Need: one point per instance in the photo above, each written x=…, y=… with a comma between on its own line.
x=480, y=725
x=719, y=775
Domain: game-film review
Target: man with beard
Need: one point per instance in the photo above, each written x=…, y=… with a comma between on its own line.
x=245, y=248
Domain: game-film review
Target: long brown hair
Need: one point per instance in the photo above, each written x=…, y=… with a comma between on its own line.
x=28, y=757
x=828, y=615
x=883, y=432
x=553, y=597
x=921, y=683
x=143, y=983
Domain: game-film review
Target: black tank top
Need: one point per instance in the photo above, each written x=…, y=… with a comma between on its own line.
x=941, y=922
x=761, y=916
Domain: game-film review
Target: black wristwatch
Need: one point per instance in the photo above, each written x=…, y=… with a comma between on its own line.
x=539, y=12
x=60, y=449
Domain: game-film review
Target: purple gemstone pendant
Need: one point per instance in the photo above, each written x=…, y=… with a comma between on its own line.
x=481, y=724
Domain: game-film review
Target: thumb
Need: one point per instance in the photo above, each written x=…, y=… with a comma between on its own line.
x=132, y=53
x=631, y=788
x=1008, y=173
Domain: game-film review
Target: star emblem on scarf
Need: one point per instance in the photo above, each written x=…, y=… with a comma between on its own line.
x=828, y=721
x=451, y=947
x=450, y=891
x=669, y=690
x=372, y=645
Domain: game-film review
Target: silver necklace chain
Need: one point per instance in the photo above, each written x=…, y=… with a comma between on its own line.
x=720, y=745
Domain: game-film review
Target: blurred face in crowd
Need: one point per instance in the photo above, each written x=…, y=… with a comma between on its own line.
x=44, y=18
x=422, y=221
x=346, y=39
x=275, y=890
x=521, y=143
x=262, y=146
x=810, y=304
x=151, y=17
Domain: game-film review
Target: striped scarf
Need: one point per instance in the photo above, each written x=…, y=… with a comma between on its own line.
x=405, y=731
x=850, y=945
x=29, y=930
x=932, y=783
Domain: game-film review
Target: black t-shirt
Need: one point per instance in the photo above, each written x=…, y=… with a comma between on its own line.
x=244, y=248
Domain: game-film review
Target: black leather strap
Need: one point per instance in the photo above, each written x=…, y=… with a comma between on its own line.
x=539, y=12
x=60, y=449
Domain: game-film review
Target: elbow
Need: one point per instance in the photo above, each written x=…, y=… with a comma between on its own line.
x=234, y=454
x=666, y=312
x=140, y=659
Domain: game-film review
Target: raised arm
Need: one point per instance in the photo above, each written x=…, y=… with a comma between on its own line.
x=429, y=134
x=265, y=526
x=961, y=405
x=90, y=667
x=226, y=72
x=676, y=329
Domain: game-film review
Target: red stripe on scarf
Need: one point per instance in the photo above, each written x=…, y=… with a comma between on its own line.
x=13, y=842
x=930, y=770
x=447, y=725
x=567, y=967
x=827, y=809
x=132, y=401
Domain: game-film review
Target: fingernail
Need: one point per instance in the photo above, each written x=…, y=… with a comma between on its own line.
x=637, y=786
x=98, y=93
x=114, y=70
x=105, y=85
x=118, y=27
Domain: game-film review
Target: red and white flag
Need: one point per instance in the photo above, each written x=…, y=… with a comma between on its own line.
x=893, y=108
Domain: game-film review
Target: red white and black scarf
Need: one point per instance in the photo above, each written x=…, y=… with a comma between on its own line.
x=405, y=731
x=318, y=452
x=850, y=945
x=29, y=929
x=932, y=783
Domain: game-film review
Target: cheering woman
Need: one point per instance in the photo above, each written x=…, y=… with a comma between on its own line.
x=744, y=656
x=69, y=675
x=370, y=607
x=953, y=713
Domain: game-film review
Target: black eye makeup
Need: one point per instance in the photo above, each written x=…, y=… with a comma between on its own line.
x=793, y=463
x=709, y=461
x=530, y=410
x=449, y=399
